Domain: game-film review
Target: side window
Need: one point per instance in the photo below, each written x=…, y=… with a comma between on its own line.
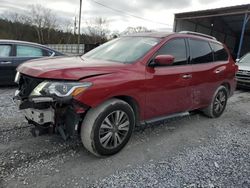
x=176, y=48
x=47, y=53
x=28, y=51
x=201, y=51
x=50, y=53
x=5, y=50
x=220, y=54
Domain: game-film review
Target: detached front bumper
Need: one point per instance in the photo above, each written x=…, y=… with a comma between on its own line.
x=41, y=117
x=62, y=114
x=38, y=110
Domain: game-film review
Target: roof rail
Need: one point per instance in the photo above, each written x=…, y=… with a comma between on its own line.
x=198, y=34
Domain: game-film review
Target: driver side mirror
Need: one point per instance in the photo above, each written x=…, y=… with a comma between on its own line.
x=163, y=60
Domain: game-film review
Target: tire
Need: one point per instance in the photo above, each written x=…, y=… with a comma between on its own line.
x=218, y=104
x=107, y=128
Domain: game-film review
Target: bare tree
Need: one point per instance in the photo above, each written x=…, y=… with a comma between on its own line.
x=67, y=26
x=43, y=19
x=15, y=17
x=39, y=24
x=98, y=29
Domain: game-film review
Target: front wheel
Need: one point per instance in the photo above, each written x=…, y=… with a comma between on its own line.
x=107, y=128
x=218, y=104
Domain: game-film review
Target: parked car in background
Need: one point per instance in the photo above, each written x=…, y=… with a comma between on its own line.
x=127, y=81
x=243, y=74
x=13, y=53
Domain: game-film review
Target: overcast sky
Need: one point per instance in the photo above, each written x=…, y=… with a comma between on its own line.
x=158, y=14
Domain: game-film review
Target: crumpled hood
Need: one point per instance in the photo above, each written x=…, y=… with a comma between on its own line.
x=68, y=68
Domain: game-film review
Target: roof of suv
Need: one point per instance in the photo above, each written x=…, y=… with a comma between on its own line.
x=152, y=34
x=165, y=34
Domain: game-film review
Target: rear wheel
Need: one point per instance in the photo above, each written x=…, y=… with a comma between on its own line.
x=218, y=104
x=107, y=128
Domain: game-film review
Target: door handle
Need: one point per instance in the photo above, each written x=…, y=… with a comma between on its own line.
x=187, y=76
x=218, y=71
x=5, y=62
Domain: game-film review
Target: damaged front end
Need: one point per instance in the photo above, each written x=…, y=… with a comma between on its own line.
x=50, y=104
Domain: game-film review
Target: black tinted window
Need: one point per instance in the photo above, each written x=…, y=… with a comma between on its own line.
x=47, y=53
x=176, y=48
x=220, y=54
x=201, y=51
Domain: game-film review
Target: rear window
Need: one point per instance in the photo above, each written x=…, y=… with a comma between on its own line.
x=5, y=50
x=220, y=54
x=28, y=51
x=201, y=51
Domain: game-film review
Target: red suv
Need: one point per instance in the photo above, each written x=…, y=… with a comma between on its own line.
x=133, y=79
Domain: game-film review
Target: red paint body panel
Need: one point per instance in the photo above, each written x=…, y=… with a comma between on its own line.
x=111, y=85
x=67, y=68
x=167, y=91
x=158, y=91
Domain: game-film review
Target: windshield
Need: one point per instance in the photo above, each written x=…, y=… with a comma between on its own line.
x=245, y=59
x=124, y=49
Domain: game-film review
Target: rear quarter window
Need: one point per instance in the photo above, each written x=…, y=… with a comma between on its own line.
x=201, y=51
x=48, y=53
x=220, y=54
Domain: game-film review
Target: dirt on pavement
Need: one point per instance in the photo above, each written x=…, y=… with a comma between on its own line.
x=191, y=151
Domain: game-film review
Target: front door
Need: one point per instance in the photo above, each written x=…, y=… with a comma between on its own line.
x=167, y=87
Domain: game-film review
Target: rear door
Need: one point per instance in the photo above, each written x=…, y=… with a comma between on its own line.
x=207, y=72
x=6, y=62
x=167, y=87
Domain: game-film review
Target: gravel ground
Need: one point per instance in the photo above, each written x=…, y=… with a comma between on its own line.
x=191, y=151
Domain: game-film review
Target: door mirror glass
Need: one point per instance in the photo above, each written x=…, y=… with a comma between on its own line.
x=164, y=60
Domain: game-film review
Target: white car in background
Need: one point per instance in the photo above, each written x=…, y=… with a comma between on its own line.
x=243, y=74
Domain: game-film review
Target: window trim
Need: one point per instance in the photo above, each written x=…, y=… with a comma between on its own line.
x=174, y=38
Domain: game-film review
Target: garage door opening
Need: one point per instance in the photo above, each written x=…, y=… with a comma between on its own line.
x=229, y=25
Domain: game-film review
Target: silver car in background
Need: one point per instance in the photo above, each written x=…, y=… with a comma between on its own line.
x=243, y=74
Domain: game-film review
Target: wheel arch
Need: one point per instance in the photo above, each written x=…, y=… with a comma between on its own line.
x=227, y=86
x=92, y=122
x=133, y=103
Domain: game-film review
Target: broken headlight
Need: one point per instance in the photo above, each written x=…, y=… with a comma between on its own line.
x=60, y=89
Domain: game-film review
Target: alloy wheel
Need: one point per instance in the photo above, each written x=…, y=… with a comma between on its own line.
x=220, y=102
x=114, y=129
